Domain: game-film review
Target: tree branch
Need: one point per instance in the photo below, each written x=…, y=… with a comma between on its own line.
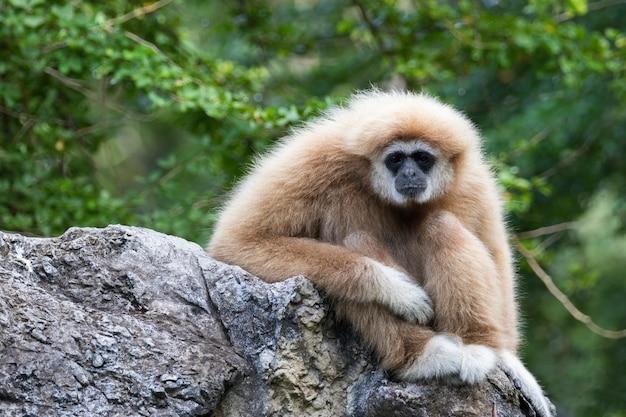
x=590, y=8
x=139, y=12
x=78, y=85
x=547, y=230
x=563, y=299
x=375, y=33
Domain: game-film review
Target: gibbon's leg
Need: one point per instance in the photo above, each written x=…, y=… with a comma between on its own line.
x=411, y=351
x=395, y=341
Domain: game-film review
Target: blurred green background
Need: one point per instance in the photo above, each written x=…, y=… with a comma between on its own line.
x=145, y=113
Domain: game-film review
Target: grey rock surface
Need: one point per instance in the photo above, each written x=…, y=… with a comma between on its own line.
x=125, y=321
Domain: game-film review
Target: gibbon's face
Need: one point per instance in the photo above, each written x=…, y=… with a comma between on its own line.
x=410, y=172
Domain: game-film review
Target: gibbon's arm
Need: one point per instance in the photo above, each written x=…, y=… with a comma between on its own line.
x=343, y=274
x=486, y=222
x=273, y=221
x=270, y=228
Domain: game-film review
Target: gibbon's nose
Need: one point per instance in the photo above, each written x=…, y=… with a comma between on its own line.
x=409, y=169
x=409, y=173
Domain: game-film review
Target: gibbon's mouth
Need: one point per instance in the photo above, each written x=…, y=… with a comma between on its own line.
x=411, y=190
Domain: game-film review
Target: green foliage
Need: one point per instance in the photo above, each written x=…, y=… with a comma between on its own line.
x=517, y=192
x=588, y=268
x=146, y=114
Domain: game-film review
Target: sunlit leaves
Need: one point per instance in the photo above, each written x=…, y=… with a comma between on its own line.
x=517, y=191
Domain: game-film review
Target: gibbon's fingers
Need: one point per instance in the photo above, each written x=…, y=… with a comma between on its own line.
x=478, y=361
x=446, y=357
x=525, y=382
x=402, y=295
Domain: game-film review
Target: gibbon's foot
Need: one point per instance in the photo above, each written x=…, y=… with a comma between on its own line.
x=525, y=382
x=446, y=357
x=402, y=295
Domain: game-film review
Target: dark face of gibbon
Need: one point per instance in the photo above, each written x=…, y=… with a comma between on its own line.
x=410, y=172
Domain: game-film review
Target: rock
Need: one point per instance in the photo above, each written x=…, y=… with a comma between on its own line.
x=125, y=321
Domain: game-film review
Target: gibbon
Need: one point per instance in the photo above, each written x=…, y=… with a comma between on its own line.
x=388, y=205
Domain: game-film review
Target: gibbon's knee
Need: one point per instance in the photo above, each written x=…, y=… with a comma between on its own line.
x=442, y=228
x=397, y=342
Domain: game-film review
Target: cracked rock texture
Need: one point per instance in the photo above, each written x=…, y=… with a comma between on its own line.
x=125, y=321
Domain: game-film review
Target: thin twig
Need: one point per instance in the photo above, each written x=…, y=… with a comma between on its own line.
x=94, y=128
x=590, y=8
x=375, y=33
x=135, y=38
x=78, y=85
x=563, y=299
x=29, y=116
x=548, y=230
x=72, y=83
x=477, y=44
x=530, y=143
x=139, y=12
x=573, y=155
x=547, y=242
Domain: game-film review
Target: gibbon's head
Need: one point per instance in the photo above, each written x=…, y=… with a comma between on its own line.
x=415, y=144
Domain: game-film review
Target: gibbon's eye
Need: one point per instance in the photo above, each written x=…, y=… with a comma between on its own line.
x=394, y=160
x=424, y=159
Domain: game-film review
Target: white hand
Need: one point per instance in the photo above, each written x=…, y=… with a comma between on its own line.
x=401, y=295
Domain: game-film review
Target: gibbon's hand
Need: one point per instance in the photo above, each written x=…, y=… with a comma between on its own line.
x=402, y=295
x=525, y=382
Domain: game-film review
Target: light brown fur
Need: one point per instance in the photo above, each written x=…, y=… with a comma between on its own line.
x=309, y=208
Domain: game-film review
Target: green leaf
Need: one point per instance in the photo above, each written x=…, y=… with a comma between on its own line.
x=579, y=7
